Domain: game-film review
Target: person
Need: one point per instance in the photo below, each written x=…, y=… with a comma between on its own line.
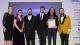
x=30, y=27
x=52, y=31
x=64, y=27
x=42, y=26
x=18, y=38
x=8, y=26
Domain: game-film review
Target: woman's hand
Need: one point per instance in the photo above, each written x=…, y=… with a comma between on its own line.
x=4, y=29
x=21, y=30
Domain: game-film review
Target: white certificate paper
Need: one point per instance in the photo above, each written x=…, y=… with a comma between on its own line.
x=51, y=23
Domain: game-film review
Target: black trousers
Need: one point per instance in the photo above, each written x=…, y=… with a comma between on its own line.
x=64, y=39
x=52, y=34
x=42, y=37
x=30, y=37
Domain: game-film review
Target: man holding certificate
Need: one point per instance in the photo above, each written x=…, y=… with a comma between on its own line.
x=52, y=25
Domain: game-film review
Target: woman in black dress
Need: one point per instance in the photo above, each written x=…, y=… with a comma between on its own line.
x=8, y=26
x=18, y=38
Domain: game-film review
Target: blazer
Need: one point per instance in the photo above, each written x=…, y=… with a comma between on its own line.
x=30, y=25
x=65, y=25
x=8, y=20
x=41, y=24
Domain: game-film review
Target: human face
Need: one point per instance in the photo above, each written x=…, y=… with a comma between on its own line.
x=10, y=9
x=62, y=11
x=42, y=10
x=51, y=11
x=20, y=13
x=29, y=12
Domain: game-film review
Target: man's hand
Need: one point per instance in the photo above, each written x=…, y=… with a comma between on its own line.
x=69, y=31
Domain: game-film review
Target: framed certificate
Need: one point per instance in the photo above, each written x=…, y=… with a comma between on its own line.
x=51, y=23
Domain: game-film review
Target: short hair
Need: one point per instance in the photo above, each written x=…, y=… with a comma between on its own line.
x=42, y=7
x=19, y=10
x=30, y=9
x=61, y=8
x=9, y=6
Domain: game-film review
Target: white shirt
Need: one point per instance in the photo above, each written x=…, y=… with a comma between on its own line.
x=29, y=17
x=62, y=19
x=41, y=14
x=51, y=23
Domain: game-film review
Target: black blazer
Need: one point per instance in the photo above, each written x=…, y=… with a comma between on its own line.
x=42, y=24
x=8, y=20
x=30, y=25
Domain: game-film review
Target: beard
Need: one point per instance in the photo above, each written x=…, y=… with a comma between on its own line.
x=62, y=13
x=29, y=13
x=42, y=12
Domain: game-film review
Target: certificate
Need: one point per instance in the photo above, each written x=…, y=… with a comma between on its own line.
x=51, y=23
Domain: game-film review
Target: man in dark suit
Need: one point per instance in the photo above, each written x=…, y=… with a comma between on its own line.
x=42, y=26
x=30, y=26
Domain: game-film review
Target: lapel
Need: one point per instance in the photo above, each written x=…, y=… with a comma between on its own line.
x=31, y=18
x=40, y=17
x=63, y=20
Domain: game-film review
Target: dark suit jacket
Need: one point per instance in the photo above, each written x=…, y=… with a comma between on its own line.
x=8, y=21
x=41, y=24
x=30, y=25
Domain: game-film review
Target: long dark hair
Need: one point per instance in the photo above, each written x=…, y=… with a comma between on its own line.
x=54, y=14
x=18, y=12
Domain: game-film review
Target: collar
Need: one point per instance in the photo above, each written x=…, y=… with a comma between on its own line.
x=42, y=13
x=63, y=20
x=29, y=15
x=63, y=15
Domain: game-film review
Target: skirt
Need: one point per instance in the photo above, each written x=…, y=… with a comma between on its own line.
x=8, y=34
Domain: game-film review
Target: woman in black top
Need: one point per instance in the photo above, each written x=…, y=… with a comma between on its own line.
x=8, y=26
x=18, y=38
x=52, y=31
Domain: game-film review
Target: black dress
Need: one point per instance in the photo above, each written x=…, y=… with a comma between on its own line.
x=18, y=38
x=8, y=24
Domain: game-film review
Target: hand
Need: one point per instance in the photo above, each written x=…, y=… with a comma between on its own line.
x=21, y=30
x=68, y=31
x=55, y=27
x=58, y=29
x=4, y=29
